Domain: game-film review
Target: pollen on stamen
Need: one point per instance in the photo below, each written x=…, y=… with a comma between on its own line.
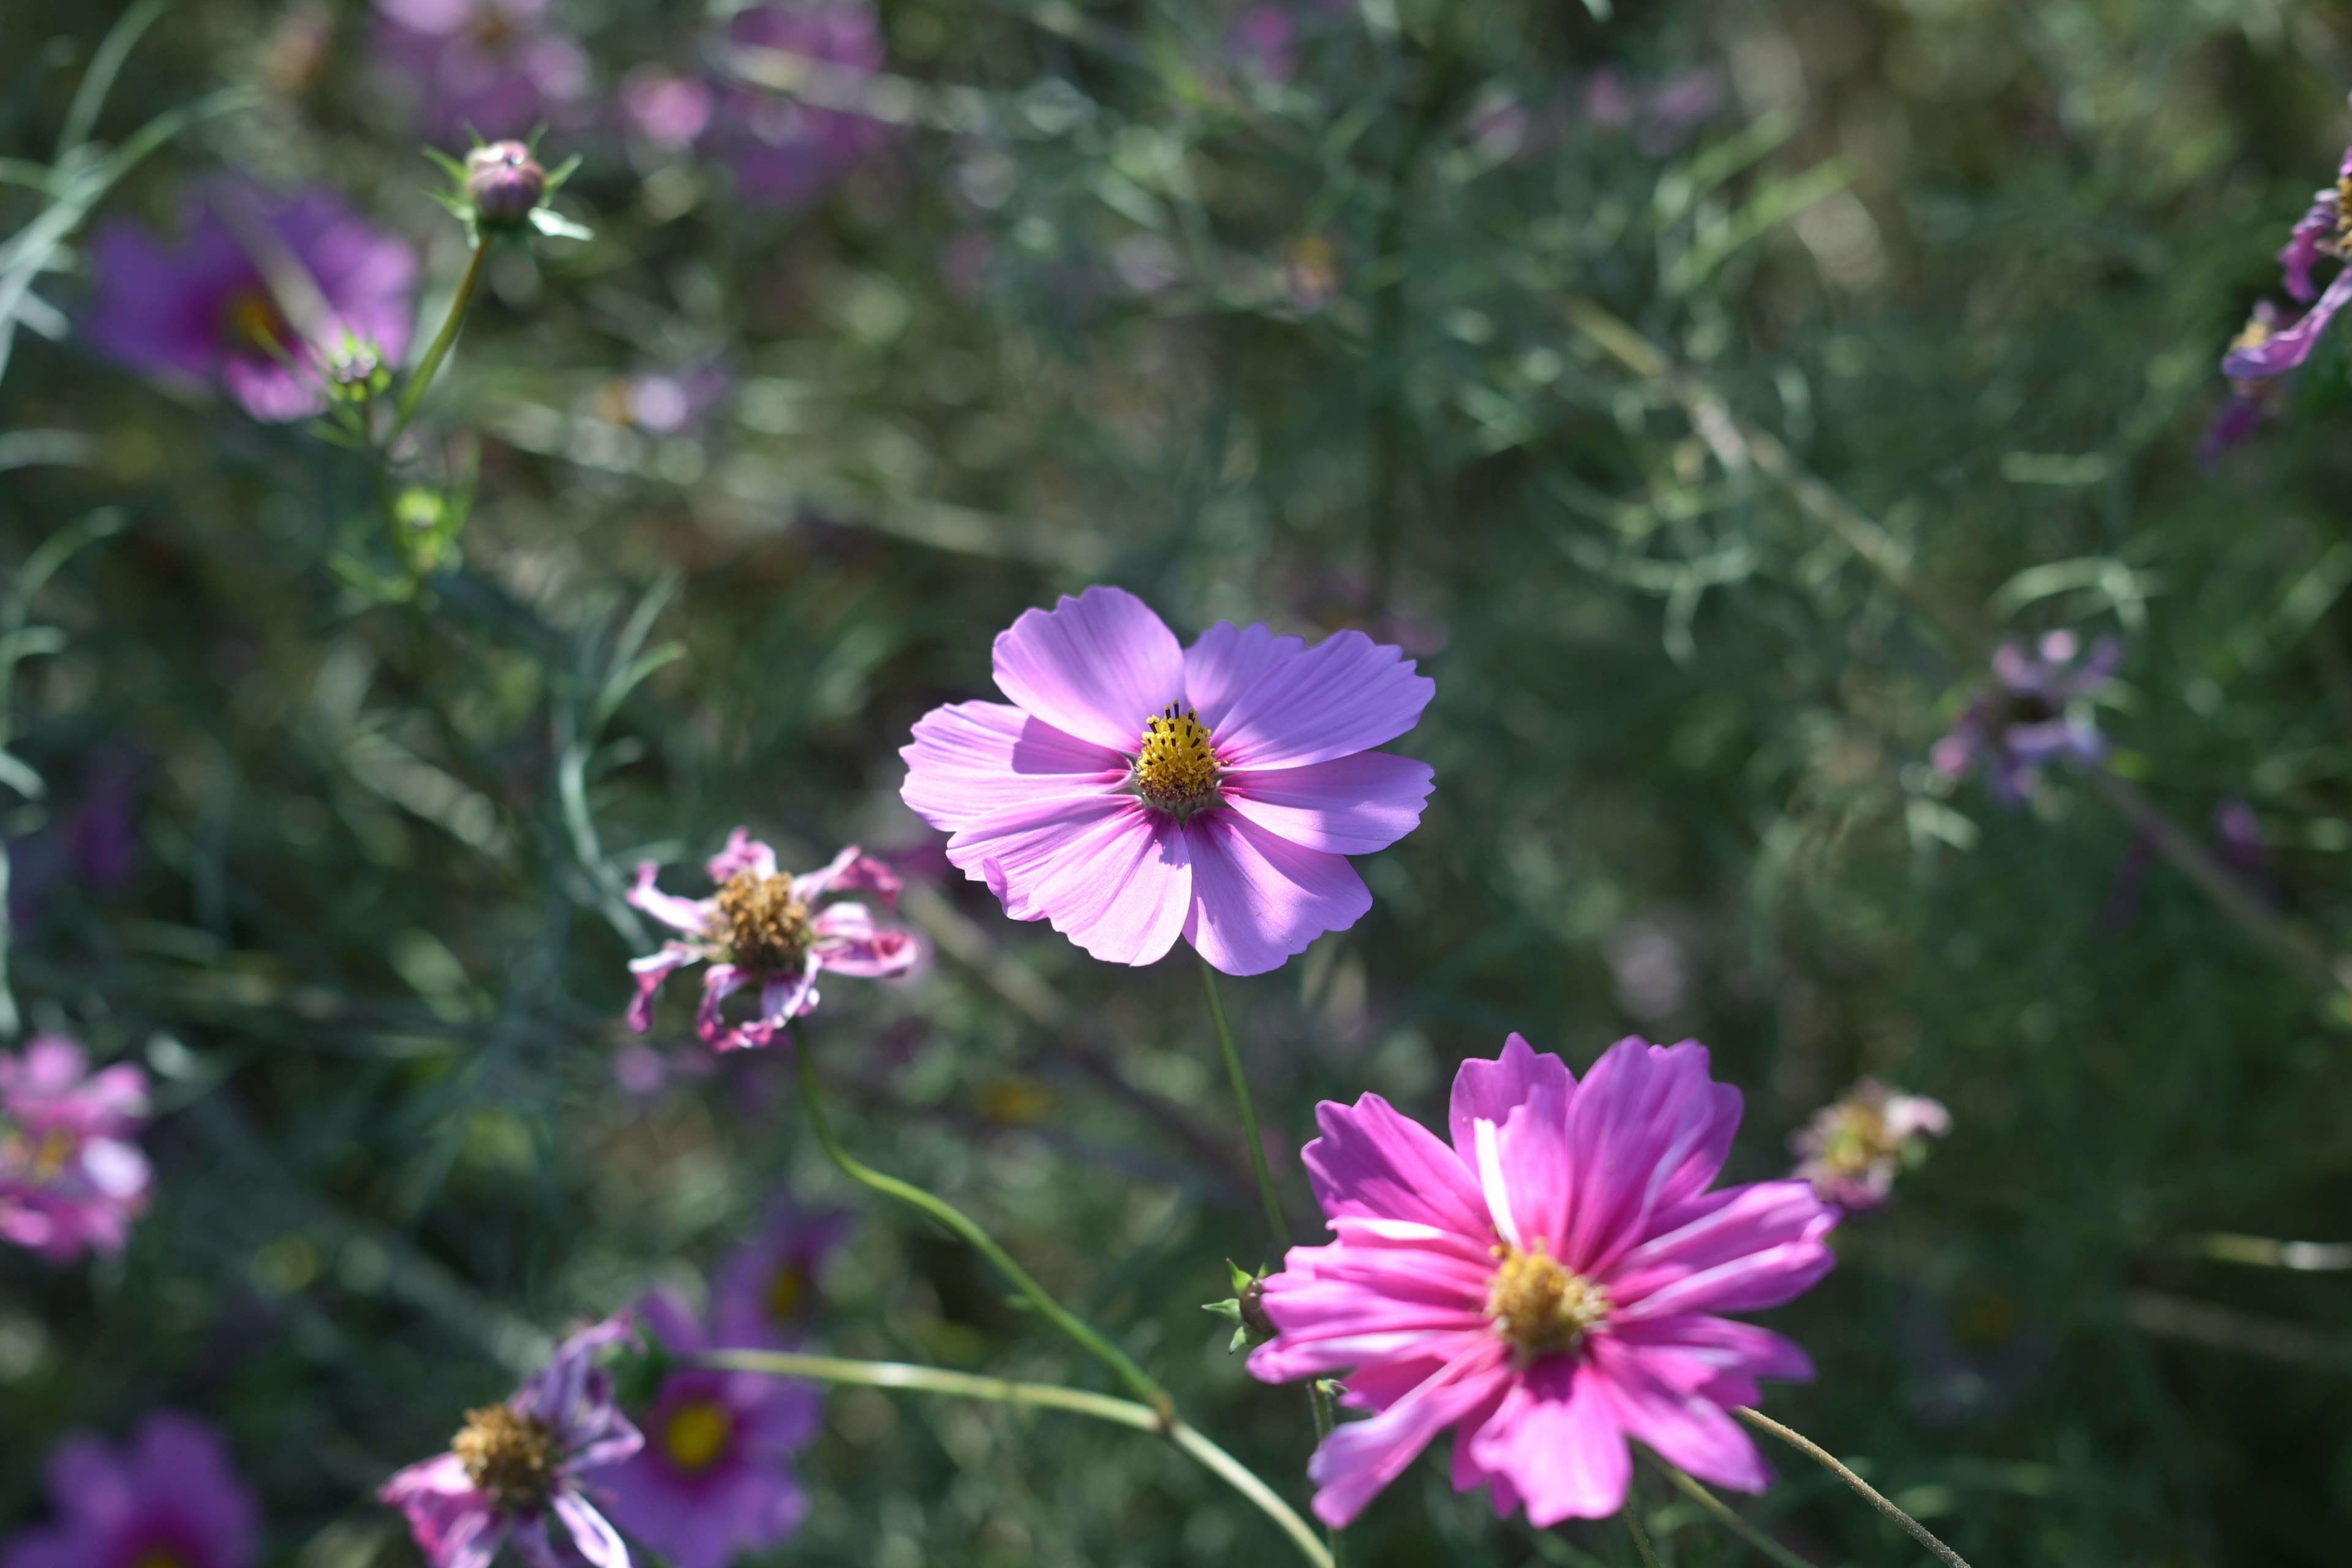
x=1175, y=766
x=1540, y=1305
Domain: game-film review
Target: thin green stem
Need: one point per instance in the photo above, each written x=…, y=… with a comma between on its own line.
x=1725, y=1515
x=956, y=1220
x=1319, y=1398
x=1861, y=1488
x=1041, y=1396
x=1275, y=1221
x=443, y=341
x=1631, y=1514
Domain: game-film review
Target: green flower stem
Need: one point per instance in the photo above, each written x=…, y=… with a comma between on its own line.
x=1861, y=1488
x=1274, y=1222
x=1042, y=1395
x=1724, y=1515
x=443, y=341
x=956, y=1220
x=1318, y=1397
x=1633, y=1518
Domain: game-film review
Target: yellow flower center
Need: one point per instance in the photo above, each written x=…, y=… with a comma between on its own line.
x=784, y=1293
x=507, y=1454
x=252, y=319
x=1175, y=768
x=762, y=927
x=1540, y=1306
x=1857, y=1139
x=2344, y=207
x=39, y=1162
x=695, y=1435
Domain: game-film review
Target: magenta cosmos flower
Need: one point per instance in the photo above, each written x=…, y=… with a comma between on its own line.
x=2036, y=711
x=715, y=1476
x=1852, y=1148
x=764, y=927
x=786, y=150
x=218, y=305
x=513, y=1465
x=1135, y=791
x=171, y=1499
x=767, y=1291
x=1547, y=1285
x=71, y=1178
x=481, y=68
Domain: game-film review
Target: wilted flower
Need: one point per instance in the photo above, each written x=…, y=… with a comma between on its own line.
x=71, y=1178
x=1852, y=1149
x=767, y=1291
x=512, y=1466
x=255, y=295
x=764, y=927
x=1548, y=1285
x=1136, y=791
x=714, y=1477
x=2272, y=344
x=784, y=151
x=171, y=1499
x=2037, y=710
x=489, y=68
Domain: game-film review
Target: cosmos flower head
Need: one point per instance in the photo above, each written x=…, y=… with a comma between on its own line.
x=1135, y=791
x=767, y=1290
x=714, y=1477
x=2273, y=342
x=71, y=1177
x=169, y=1497
x=1852, y=1148
x=262, y=296
x=514, y=1472
x=767, y=930
x=786, y=151
x=481, y=68
x=2036, y=710
x=1548, y=1283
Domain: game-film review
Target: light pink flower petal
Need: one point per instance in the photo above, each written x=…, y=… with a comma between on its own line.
x=743, y=853
x=1374, y=1161
x=455, y=1525
x=847, y=941
x=1223, y=662
x=1095, y=667
x=593, y=1533
x=973, y=758
x=782, y=999
x=651, y=971
x=1111, y=875
x=115, y=1170
x=1557, y=1440
x=1258, y=899
x=720, y=982
x=852, y=870
x=1346, y=694
x=1752, y=1247
x=1687, y=1429
x=689, y=915
x=1359, y=1457
x=1350, y=806
x=1492, y=1089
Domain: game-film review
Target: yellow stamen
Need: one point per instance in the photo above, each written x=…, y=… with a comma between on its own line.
x=507, y=1454
x=252, y=319
x=1175, y=767
x=1540, y=1306
x=762, y=927
x=785, y=1291
x=695, y=1437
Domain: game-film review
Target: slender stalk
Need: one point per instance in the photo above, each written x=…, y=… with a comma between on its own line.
x=443, y=341
x=1861, y=1488
x=1724, y=1515
x=1632, y=1519
x=1041, y=1396
x=956, y=1220
x=1275, y=1220
x=1319, y=1399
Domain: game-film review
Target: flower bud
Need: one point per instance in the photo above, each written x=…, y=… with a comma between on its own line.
x=504, y=182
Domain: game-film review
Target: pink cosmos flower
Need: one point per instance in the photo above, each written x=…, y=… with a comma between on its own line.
x=1852, y=1148
x=1547, y=1285
x=1135, y=791
x=767, y=1289
x=513, y=1465
x=763, y=928
x=171, y=1497
x=70, y=1177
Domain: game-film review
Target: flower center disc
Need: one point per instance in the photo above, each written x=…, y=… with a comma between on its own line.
x=1858, y=1138
x=784, y=1293
x=766, y=930
x=507, y=1454
x=1175, y=768
x=695, y=1435
x=251, y=319
x=1540, y=1306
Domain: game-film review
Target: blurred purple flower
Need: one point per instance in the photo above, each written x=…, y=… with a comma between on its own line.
x=1263, y=41
x=664, y=402
x=216, y=305
x=1609, y=100
x=2034, y=712
x=763, y=928
x=767, y=1291
x=94, y=842
x=786, y=152
x=1678, y=106
x=481, y=68
x=71, y=1177
x=171, y=1499
x=714, y=1477
x=512, y=1465
x=2271, y=345
x=1852, y=1148
x=670, y=112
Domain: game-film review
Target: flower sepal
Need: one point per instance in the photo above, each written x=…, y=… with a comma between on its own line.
x=501, y=187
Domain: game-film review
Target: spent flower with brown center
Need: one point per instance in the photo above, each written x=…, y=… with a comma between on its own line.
x=511, y=1456
x=762, y=926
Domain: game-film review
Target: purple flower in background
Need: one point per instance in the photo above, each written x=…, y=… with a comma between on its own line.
x=1852, y=1148
x=71, y=1178
x=481, y=68
x=170, y=1500
x=1135, y=791
x=93, y=842
x=670, y=112
x=2036, y=710
x=255, y=297
x=1263, y=41
x=763, y=928
x=714, y=1477
x=664, y=402
x=786, y=150
x=514, y=1465
x=2251, y=403
x=1548, y=1284
x=2272, y=344
x=767, y=1291
x=1680, y=105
